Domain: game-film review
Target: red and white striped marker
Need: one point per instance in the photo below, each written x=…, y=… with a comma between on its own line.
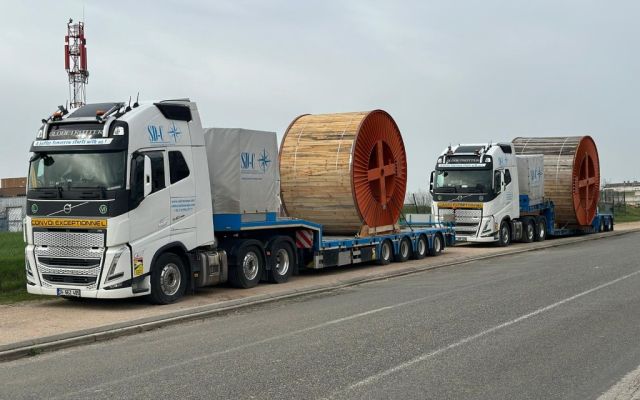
x=304, y=239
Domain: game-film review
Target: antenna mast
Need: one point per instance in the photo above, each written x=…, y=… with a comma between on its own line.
x=75, y=62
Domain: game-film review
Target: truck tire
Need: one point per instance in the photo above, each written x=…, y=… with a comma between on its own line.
x=386, y=253
x=504, y=235
x=248, y=268
x=601, y=227
x=529, y=230
x=404, y=250
x=168, y=279
x=438, y=245
x=283, y=261
x=541, y=229
x=609, y=224
x=422, y=246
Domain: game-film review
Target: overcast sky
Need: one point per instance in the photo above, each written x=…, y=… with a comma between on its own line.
x=447, y=71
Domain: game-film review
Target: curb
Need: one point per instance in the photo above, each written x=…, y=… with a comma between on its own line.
x=33, y=347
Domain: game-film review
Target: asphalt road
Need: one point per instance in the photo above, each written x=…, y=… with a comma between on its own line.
x=557, y=323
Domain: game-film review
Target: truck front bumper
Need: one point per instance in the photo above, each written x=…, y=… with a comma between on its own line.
x=84, y=293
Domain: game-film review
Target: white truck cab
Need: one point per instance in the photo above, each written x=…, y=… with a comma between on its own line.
x=103, y=204
x=476, y=187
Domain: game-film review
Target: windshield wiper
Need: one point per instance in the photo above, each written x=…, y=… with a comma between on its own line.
x=102, y=189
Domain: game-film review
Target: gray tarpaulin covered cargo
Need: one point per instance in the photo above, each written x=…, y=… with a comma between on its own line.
x=243, y=171
x=531, y=177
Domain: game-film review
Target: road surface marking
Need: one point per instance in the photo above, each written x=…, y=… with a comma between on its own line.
x=372, y=378
x=257, y=343
x=628, y=388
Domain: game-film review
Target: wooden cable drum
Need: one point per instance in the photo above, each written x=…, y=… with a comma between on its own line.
x=571, y=175
x=344, y=171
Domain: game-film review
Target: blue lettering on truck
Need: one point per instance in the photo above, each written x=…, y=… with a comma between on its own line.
x=155, y=134
x=246, y=160
x=252, y=164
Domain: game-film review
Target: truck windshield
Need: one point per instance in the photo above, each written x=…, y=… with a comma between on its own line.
x=468, y=181
x=78, y=170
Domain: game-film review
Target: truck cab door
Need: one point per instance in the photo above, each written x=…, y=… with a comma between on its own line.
x=148, y=207
x=182, y=190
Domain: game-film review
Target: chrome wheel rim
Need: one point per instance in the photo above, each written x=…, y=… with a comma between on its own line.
x=404, y=248
x=505, y=234
x=282, y=262
x=386, y=252
x=422, y=246
x=436, y=244
x=170, y=279
x=530, y=231
x=542, y=232
x=250, y=264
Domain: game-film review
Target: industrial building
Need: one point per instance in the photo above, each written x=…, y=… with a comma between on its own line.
x=13, y=203
x=627, y=193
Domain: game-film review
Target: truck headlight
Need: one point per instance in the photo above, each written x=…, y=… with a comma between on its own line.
x=487, y=226
x=27, y=267
x=111, y=275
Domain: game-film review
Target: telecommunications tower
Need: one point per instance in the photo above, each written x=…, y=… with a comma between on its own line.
x=75, y=62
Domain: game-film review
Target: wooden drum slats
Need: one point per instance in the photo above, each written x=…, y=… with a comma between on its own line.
x=331, y=174
x=571, y=175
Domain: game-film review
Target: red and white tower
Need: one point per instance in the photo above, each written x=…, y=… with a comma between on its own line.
x=75, y=62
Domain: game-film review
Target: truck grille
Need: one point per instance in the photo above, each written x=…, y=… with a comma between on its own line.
x=70, y=280
x=64, y=239
x=467, y=222
x=69, y=262
x=69, y=258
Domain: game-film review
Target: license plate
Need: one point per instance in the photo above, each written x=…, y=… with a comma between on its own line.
x=69, y=292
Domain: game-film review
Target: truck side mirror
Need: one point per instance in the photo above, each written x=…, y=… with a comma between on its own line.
x=433, y=176
x=147, y=176
x=497, y=182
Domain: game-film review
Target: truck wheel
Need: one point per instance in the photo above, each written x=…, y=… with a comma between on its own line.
x=386, y=253
x=282, y=262
x=168, y=279
x=601, y=228
x=541, y=230
x=247, y=271
x=529, y=234
x=504, y=239
x=609, y=224
x=438, y=245
x=421, y=248
x=404, y=250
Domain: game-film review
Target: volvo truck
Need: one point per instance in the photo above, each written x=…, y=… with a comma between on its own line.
x=493, y=195
x=142, y=201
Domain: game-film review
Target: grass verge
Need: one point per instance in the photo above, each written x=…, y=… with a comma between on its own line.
x=12, y=273
x=626, y=214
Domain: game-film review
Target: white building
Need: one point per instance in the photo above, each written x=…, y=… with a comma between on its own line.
x=622, y=193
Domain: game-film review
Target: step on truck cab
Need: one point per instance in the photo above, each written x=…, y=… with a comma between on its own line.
x=142, y=201
x=493, y=195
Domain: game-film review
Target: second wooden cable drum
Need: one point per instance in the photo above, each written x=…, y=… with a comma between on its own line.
x=344, y=171
x=571, y=175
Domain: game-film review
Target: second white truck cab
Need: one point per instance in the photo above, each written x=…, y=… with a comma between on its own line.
x=476, y=187
x=492, y=194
